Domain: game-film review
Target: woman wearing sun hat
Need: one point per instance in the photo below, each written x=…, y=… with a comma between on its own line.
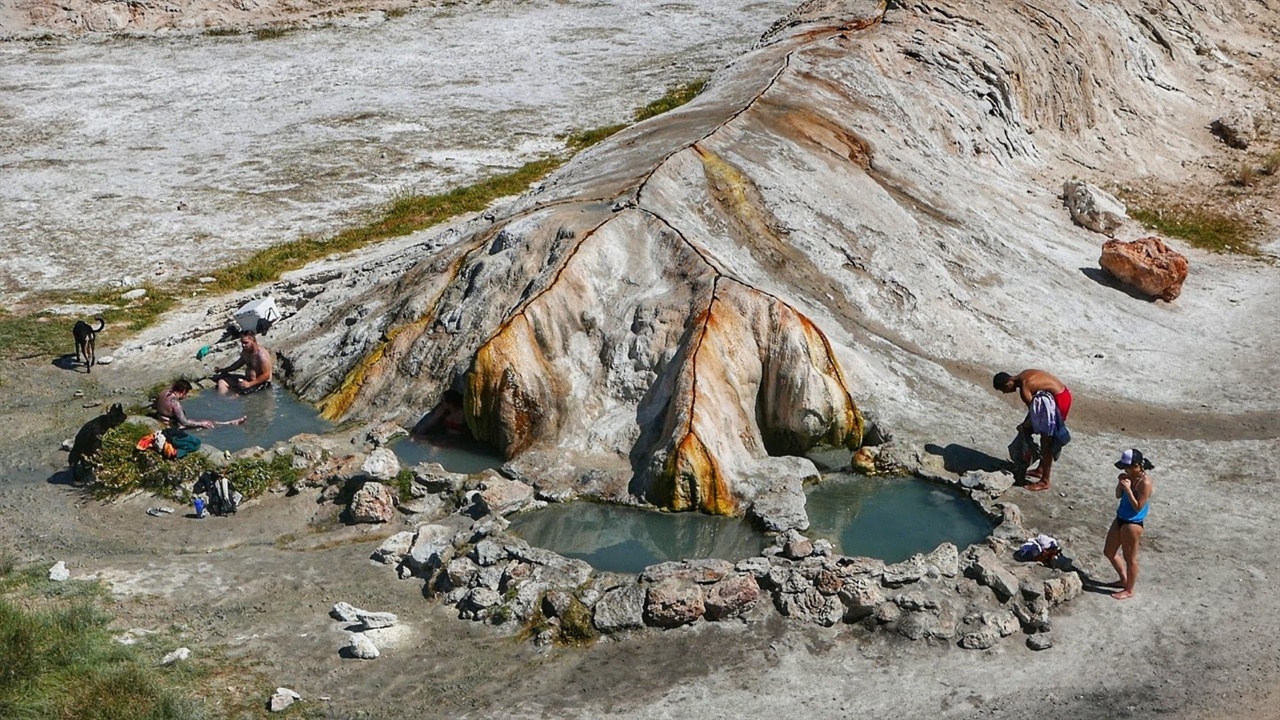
x=1133, y=489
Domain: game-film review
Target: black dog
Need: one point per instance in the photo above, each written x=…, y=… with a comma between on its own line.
x=89, y=441
x=85, y=335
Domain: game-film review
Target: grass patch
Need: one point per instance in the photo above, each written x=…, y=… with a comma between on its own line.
x=222, y=32
x=1206, y=229
x=396, y=12
x=402, y=216
x=675, y=97
x=60, y=660
x=119, y=467
x=271, y=32
x=42, y=333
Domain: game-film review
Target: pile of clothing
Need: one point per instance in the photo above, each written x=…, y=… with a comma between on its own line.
x=171, y=444
x=1040, y=548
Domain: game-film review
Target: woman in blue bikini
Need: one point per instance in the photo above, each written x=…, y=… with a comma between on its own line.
x=1133, y=489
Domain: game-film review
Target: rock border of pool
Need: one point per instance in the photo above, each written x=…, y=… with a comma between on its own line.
x=465, y=558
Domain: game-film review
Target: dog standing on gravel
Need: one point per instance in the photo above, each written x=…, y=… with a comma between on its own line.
x=86, y=335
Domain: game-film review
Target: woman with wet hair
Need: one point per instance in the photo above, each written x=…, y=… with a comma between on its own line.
x=1133, y=488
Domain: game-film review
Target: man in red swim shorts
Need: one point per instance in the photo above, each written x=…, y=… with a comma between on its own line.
x=1048, y=401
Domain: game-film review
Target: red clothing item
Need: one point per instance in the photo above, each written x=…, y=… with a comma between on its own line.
x=1063, y=401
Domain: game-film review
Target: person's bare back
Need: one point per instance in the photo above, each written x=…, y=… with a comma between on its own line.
x=1031, y=381
x=1028, y=383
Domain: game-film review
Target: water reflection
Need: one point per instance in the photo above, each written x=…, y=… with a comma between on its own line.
x=892, y=518
x=626, y=539
x=273, y=415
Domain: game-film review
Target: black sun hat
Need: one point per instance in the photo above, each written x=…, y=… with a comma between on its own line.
x=1129, y=457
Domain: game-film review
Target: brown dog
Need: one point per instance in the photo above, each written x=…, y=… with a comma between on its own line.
x=86, y=335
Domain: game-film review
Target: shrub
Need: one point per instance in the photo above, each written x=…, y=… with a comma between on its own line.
x=271, y=32
x=1244, y=176
x=253, y=476
x=1271, y=164
x=119, y=467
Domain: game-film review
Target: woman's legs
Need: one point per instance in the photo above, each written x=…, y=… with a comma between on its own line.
x=1111, y=549
x=1129, y=536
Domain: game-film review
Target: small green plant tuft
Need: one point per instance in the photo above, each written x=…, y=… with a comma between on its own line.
x=222, y=32
x=582, y=139
x=404, y=484
x=675, y=97
x=396, y=12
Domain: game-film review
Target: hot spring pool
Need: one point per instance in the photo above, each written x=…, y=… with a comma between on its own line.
x=627, y=539
x=273, y=415
x=892, y=518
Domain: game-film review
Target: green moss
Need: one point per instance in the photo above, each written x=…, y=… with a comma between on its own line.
x=575, y=625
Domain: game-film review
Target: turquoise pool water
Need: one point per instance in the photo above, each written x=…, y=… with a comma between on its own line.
x=627, y=539
x=892, y=518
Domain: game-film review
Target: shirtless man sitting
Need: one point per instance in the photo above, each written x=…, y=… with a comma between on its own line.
x=168, y=407
x=1048, y=401
x=256, y=361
